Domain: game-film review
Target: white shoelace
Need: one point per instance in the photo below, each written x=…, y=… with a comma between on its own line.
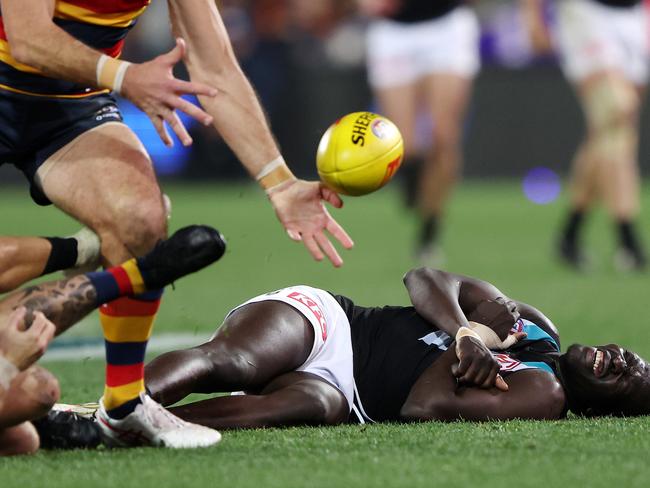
x=161, y=417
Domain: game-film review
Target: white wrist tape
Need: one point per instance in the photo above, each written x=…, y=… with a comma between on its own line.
x=490, y=338
x=465, y=332
x=8, y=371
x=274, y=174
x=110, y=72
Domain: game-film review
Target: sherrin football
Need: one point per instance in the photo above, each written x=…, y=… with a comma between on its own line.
x=359, y=153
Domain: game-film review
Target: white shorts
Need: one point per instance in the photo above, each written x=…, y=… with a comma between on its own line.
x=592, y=37
x=400, y=53
x=331, y=354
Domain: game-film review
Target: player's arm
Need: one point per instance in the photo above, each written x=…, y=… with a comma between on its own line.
x=436, y=395
x=239, y=118
x=446, y=299
x=35, y=40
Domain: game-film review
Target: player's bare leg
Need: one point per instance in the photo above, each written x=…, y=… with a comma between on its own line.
x=399, y=104
x=257, y=350
x=256, y=343
x=296, y=398
x=105, y=179
x=606, y=166
x=447, y=98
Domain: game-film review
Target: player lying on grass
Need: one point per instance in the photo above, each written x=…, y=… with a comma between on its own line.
x=304, y=356
x=29, y=318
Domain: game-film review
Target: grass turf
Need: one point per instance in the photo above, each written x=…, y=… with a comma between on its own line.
x=493, y=232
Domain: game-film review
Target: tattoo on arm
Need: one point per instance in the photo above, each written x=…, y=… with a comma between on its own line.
x=64, y=302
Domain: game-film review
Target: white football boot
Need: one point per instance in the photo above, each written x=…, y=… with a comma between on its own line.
x=150, y=424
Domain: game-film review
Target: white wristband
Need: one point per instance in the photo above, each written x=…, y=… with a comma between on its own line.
x=8, y=371
x=110, y=72
x=466, y=332
x=270, y=167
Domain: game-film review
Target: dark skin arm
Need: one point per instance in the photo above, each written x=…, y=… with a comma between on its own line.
x=436, y=395
x=448, y=300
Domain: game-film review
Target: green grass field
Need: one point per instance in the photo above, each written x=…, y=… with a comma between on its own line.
x=492, y=233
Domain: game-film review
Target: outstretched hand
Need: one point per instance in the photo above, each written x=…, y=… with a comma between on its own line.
x=299, y=207
x=152, y=87
x=23, y=347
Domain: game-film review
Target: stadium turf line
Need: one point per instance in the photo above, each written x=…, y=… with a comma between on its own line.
x=492, y=232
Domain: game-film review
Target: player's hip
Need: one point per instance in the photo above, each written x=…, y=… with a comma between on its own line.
x=33, y=128
x=330, y=357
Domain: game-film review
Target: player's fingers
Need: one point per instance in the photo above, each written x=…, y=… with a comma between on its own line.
x=179, y=129
x=338, y=232
x=16, y=319
x=159, y=125
x=193, y=88
x=312, y=247
x=38, y=325
x=500, y=383
x=294, y=236
x=490, y=379
x=176, y=54
x=331, y=197
x=481, y=375
x=463, y=365
x=329, y=250
x=190, y=109
x=472, y=373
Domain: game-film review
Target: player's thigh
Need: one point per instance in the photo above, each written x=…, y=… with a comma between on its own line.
x=105, y=179
x=608, y=99
x=30, y=396
x=20, y=439
x=270, y=337
x=447, y=96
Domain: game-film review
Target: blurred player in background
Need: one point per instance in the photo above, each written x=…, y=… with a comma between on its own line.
x=603, y=48
x=422, y=56
x=61, y=127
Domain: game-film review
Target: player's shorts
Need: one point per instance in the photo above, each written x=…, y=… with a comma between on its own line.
x=33, y=128
x=592, y=37
x=331, y=353
x=400, y=53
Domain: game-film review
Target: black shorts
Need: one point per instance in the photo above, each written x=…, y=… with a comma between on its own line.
x=33, y=128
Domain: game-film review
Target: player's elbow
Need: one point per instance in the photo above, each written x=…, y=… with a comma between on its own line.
x=24, y=46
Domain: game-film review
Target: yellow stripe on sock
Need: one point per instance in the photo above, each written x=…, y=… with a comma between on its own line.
x=114, y=396
x=127, y=329
x=131, y=268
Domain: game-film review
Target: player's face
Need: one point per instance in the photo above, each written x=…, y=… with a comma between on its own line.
x=606, y=380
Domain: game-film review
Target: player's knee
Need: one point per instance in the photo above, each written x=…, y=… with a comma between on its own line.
x=327, y=404
x=446, y=137
x=233, y=365
x=141, y=225
x=611, y=105
x=41, y=391
x=19, y=440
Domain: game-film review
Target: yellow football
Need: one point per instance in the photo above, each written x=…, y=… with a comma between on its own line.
x=359, y=153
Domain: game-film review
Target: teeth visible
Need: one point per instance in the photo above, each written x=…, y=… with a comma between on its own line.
x=598, y=359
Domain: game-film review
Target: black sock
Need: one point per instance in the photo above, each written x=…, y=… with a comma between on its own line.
x=628, y=237
x=429, y=230
x=63, y=254
x=410, y=172
x=573, y=225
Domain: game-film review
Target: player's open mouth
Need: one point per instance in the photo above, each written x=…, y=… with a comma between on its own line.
x=598, y=362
